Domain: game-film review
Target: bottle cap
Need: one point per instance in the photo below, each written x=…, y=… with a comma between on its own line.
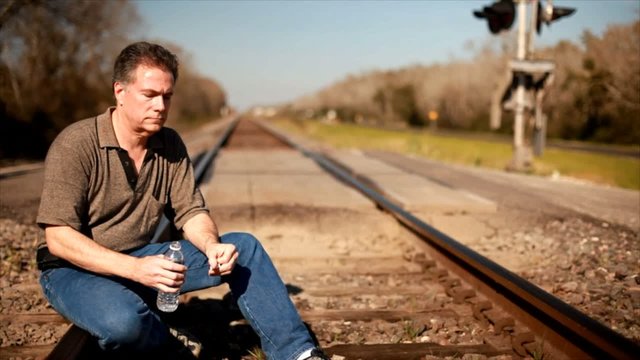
x=175, y=246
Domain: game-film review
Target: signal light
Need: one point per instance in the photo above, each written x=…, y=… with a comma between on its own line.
x=499, y=15
x=550, y=14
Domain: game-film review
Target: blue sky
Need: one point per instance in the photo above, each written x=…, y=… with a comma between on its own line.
x=268, y=52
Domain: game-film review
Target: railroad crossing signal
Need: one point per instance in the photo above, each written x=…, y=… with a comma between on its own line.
x=524, y=100
x=551, y=13
x=499, y=15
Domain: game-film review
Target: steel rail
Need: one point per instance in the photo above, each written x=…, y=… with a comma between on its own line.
x=11, y=171
x=566, y=328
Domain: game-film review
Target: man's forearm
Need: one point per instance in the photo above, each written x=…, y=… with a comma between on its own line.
x=202, y=231
x=71, y=245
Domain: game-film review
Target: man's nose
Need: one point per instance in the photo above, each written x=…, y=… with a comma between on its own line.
x=159, y=103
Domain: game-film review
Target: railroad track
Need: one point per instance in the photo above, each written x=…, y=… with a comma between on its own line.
x=433, y=297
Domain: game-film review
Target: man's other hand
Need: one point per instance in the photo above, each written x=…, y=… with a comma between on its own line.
x=222, y=258
x=160, y=273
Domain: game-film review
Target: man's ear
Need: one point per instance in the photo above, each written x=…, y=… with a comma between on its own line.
x=118, y=92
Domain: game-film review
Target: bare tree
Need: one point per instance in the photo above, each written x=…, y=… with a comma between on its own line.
x=56, y=58
x=596, y=95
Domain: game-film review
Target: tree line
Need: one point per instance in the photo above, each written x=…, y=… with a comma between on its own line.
x=595, y=94
x=56, y=63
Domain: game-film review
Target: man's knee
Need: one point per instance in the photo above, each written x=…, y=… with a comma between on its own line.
x=242, y=240
x=247, y=245
x=140, y=332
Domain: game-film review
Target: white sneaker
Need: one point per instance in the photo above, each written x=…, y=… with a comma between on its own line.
x=187, y=339
x=317, y=355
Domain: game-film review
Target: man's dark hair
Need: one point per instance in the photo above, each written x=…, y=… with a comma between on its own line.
x=143, y=53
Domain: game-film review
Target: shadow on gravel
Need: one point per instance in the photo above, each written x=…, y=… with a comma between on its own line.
x=220, y=327
x=217, y=324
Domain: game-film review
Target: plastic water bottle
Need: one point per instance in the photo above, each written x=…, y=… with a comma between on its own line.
x=168, y=302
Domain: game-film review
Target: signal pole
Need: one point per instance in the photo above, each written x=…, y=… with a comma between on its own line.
x=532, y=77
x=521, y=153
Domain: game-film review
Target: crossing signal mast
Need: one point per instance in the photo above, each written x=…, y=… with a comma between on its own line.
x=525, y=84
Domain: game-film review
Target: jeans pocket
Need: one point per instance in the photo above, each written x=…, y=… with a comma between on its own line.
x=48, y=289
x=45, y=284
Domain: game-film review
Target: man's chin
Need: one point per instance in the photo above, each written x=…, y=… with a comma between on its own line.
x=156, y=123
x=153, y=128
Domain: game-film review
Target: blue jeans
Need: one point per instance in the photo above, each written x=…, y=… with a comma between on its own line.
x=122, y=313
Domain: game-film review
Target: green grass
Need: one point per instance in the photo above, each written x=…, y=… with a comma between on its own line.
x=603, y=169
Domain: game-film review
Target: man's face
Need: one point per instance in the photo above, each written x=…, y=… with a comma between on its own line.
x=145, y=101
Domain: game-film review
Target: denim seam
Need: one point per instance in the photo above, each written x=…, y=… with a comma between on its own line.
x=50, y=292
x=255, y=323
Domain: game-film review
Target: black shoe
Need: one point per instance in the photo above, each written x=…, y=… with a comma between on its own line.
x=317, y=355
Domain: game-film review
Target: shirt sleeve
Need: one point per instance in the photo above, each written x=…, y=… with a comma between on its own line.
x=184, y=196
x=66, y=179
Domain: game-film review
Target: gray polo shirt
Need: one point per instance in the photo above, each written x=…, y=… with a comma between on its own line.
x=90, y=184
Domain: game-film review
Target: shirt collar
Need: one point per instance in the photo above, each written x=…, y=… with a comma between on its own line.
x=107, y=136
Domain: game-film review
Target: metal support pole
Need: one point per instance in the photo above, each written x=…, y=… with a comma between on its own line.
x=521, y=155
x=540, y=128
x=532, y=27
x=540, y=124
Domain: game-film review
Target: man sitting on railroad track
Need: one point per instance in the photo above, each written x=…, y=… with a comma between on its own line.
x=108, y=180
